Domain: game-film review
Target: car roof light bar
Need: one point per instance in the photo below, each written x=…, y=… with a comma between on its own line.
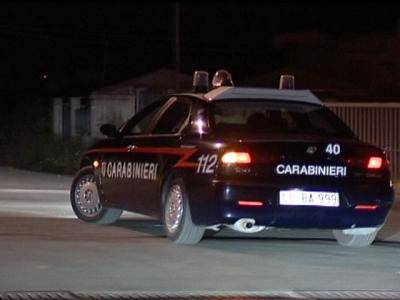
x=200, y=82
x=286, y=82
x=222, y=78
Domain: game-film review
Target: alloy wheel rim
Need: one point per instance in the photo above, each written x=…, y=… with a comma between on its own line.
x=86, y=196
x=174, y=208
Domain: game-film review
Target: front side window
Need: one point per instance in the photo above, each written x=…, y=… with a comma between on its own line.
x=140, y=122
x=173, y=118
x=263, y=116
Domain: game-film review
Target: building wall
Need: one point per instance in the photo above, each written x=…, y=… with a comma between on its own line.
x=110, y=109
x=57, y=116
x=75, y=104
x=58, y=121
x=103, y=109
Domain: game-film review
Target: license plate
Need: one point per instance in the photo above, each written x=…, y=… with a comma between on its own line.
x=308, y=198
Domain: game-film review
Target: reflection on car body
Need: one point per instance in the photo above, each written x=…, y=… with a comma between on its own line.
x=247, y=158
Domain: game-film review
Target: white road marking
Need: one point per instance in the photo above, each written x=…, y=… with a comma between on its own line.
x=35, y=191
x=56, y=209
x=53, y=203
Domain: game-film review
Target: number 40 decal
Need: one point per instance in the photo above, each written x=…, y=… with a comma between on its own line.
x=207, y=163
x=333, y=149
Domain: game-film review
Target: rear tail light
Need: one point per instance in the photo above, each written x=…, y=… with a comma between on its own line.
x=236, y=158
x=375, y=162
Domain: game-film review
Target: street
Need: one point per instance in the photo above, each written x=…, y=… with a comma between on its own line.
x=43, y=247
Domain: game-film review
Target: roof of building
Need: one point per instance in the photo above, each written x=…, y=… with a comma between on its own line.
x=162, y=79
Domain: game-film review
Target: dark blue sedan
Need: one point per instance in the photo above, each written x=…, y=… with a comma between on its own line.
x=246, y=158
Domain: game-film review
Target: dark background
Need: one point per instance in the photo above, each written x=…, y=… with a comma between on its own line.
x=65, y=47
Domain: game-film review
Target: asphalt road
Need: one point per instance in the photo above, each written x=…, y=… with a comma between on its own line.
x=43, y=247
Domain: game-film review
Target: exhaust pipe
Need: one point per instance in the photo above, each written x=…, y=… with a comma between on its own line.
x=246, y=226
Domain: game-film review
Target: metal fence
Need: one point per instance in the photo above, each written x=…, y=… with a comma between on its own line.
x=375, y=123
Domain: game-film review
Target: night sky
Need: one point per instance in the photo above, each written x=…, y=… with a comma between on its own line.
x=78, y=46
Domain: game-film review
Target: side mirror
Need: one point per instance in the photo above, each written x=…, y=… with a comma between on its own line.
x=109, y=130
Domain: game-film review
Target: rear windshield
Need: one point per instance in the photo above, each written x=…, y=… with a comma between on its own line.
x=263, y=116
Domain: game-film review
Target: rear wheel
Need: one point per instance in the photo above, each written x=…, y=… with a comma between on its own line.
x=355, y=240
x=85, y=200
x=178, y=223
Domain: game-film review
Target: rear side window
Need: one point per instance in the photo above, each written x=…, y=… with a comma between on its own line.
x=173, y=118
x=263, y=116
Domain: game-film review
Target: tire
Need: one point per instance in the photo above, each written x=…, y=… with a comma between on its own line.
x=355, y=240
x=178, y=223
x=85, y=200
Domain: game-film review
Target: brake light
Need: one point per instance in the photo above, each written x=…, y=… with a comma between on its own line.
x=236, y=158
x=375, y=162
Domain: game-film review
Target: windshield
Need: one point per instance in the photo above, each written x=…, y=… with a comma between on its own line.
x=264, y=116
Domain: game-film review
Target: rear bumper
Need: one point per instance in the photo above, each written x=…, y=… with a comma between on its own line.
x=219, y=206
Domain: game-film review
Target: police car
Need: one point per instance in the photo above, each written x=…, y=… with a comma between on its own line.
x=250, y=159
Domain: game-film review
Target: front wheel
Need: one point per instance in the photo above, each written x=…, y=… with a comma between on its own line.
x=85, y=200
x=178, y=223
x=355, y=240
